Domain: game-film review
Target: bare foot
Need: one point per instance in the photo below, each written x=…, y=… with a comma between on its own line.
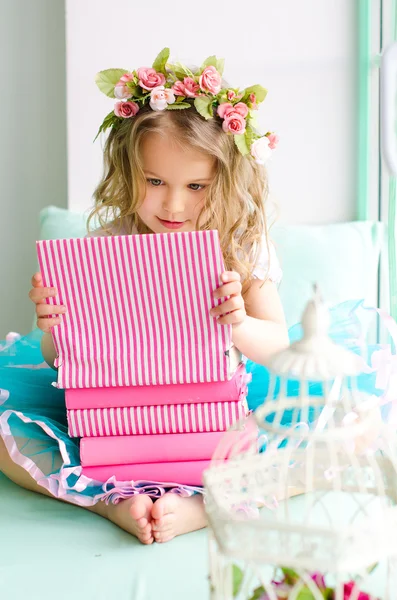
x=134, y=516
x=173, y=515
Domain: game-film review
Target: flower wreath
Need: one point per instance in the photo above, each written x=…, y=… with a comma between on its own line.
x=166, y=86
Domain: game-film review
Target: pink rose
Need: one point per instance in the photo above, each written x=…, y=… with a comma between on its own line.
x=273, y=140
x=350, y=592
x=125, y=78
x=260, y=150
x=252, y=99
x=234, y=123
x=191, y=87
x=224, y=109
x=179, y=89
x=241, y=109
x=210, y=80
x=121, y=91
x=126, y=109
x=149, y=78
x=160, y=97
x=231, y=95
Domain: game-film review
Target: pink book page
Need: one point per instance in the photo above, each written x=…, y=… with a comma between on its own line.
x=148, y=448
x=138, y=309
x=154, y=420
x=186, y=393
x=184, y=473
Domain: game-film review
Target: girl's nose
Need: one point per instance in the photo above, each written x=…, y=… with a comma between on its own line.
x=174, y=202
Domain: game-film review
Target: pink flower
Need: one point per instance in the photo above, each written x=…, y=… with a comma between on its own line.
x=125, y=78
x=191, y=87
x=234, y=123
x=210, y=80
x=350, y=592
x=121, y=91
x=225, y=110
x=241, y=109
x=126, y=109
x=231, y=95
x=149, y=78
x=273, y=140
x=161, y=97
x=178, y=88
x=319, y=580
x=252, y=99
x=260, y=150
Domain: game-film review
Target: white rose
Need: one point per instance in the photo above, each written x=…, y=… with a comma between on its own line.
x=160, y=97
x=121, y=92
x=260, y=150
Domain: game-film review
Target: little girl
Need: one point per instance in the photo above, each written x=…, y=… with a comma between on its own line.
x=183, y=154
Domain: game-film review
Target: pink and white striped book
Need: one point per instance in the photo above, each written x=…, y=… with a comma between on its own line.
x=184, y=473
x=144, y=395
x=140, y=449
x=138, y=309
x=153, y=420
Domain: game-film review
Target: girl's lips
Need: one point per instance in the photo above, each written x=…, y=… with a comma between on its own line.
x=172, y=224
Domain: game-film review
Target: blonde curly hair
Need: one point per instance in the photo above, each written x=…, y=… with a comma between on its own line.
x=234, y=201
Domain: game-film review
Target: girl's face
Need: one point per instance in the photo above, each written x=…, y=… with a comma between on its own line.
x=176, y=183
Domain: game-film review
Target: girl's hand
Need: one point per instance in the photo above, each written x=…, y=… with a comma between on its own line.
x=231, y=311
x=38, y=295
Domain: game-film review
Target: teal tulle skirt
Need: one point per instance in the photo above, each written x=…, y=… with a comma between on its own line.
x=33, y=421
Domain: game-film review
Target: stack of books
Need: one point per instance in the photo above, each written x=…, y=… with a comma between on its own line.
x=151, y=379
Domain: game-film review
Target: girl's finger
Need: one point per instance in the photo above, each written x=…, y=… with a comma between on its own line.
x=37, y=280
x=233, y=318
x=234, y=303
x=44, y=310
x=47, y=324
x=229, y=289
x=39, y=294
x=228, y=276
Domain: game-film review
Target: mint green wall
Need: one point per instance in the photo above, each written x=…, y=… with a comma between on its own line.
x=33, y=159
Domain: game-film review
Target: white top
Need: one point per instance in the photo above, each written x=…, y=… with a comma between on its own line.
x=267, y=266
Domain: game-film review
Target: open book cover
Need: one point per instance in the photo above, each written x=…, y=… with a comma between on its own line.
x=138, y=309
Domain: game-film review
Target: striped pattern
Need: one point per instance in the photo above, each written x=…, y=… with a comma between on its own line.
x=138, y=309
x=152, y=395
x=173, y=418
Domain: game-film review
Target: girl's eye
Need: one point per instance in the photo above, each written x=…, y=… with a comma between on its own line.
x=195, y=187
x=155, y=182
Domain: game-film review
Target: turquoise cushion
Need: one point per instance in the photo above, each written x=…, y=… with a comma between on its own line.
x=53, y=550
x=341, y=258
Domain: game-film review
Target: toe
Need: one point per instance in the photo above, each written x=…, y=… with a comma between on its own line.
x=166, y=522
x=142, y=523
x=163, y=536
x=140, y=507
x=165, y=504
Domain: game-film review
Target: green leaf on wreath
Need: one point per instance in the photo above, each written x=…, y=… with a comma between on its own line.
x=203, y=106
x=212, y=61
x=259, y=91
x=241, y=144
x=178, y=105
x=161, y=61
x=106, y=80
x=108, y=121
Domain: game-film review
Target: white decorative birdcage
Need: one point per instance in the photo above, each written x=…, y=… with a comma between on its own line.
x=301, y=496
